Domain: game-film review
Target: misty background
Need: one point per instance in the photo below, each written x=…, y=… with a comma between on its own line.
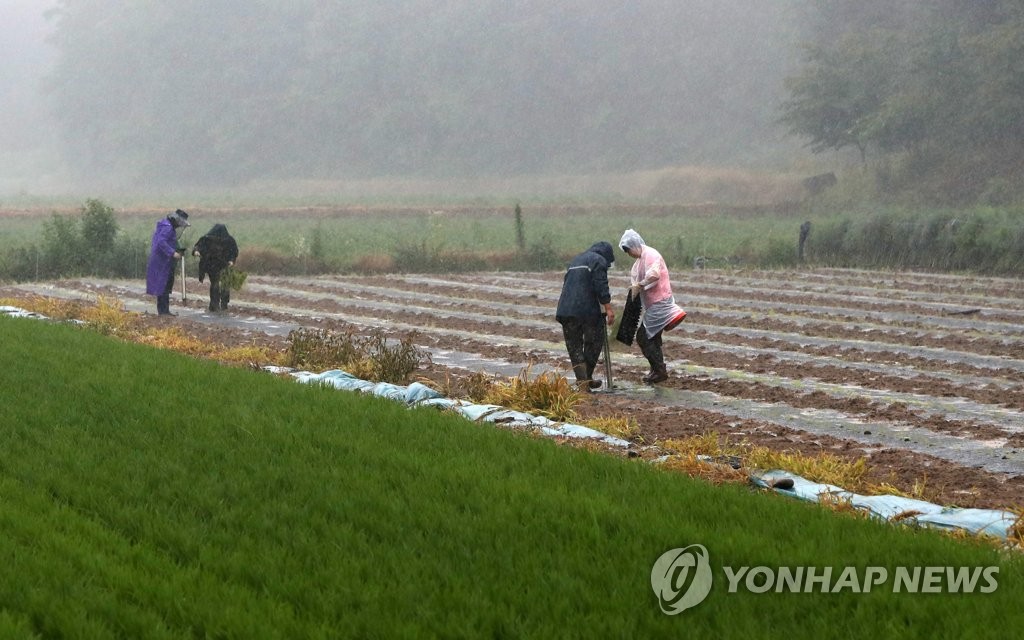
x=192, y=94
x=219, y=92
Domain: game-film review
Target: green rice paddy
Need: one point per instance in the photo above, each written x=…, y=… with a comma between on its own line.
x=144, y=494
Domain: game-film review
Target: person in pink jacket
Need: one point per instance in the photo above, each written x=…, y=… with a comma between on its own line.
x=649, y=279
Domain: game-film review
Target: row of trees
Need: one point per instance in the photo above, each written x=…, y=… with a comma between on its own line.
x=225, y=91
x=90, y=243
x=933, y=87
x=220, y=91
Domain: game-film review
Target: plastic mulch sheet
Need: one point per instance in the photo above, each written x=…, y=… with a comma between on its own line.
x=417, y=394
x=990, y=522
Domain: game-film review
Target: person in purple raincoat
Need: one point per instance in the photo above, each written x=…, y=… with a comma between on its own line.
x=163, y=255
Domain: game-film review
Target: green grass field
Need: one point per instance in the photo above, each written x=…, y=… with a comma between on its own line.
x=472, y=237
x=145, y=494
x=341, y=237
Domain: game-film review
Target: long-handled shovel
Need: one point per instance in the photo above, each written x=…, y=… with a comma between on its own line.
x=607, y=359
x=183, y=298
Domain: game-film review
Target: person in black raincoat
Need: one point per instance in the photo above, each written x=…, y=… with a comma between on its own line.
x=217, y=250
x=585, y=302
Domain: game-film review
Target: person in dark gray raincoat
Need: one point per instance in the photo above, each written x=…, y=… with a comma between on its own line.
x=585, y=302
x=217, y=250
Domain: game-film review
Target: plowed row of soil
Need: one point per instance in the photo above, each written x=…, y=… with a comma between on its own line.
x=933, y=354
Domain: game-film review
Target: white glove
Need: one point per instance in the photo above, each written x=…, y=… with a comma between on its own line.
x=636, y=289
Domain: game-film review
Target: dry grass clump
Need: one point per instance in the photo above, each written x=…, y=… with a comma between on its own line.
x=841, y=504
x=106, y=315
x=625, y=427
x=249, y=355
x=371, y=357
x=548, y=394
x=320, y=349
x=175, y=339
x=109, y=317
x=478, y=385
x=474, y=387
x=919, y=490
x=824, y=467
x=695, y=467
x=1015, y=534
x=55, y=308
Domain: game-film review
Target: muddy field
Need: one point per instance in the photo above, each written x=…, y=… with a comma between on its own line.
x=923, y=374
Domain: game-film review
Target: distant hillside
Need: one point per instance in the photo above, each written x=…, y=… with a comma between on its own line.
x=226, y=92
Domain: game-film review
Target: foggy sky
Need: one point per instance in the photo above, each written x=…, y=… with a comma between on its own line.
x=26, y=130
x=29, y=159
x=25, y=58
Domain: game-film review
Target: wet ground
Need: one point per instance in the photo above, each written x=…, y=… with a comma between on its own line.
x=922, y=374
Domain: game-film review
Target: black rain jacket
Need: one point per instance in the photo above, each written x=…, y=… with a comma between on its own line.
x=216, y=249
x=585, y=286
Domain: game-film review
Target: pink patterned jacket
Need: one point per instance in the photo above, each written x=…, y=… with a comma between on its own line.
x=650, y=271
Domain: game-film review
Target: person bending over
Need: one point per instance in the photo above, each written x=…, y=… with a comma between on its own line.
x=217, y=251
x=585, y=302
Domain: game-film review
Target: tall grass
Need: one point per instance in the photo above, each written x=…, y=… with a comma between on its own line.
x=296, y=242
x=371, y=357
x=985, y=240
x=149, y=495
x=486, y=237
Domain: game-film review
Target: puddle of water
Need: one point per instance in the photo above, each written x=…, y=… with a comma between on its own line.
x=474, y=362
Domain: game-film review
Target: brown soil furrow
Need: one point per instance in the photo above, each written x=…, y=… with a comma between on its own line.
x=946, y=482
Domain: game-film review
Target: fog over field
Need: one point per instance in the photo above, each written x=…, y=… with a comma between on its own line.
x=164, y=95
x=173, y=93
x=28, y=141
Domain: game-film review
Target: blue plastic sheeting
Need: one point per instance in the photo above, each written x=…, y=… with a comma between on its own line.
x=17, y=312
x=417, y=394
x=990, y=522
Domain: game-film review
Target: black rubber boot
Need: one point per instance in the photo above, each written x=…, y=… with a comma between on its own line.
x=651, y=348
x=582, y=380
x=659, y=374
x=163, y=305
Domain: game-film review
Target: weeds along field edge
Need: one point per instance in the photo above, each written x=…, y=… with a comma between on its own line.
x=152, y=494
x=301, y=241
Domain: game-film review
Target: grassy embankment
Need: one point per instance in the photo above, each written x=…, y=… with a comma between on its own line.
x=149, y=494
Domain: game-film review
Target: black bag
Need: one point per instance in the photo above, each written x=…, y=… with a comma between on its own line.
x=630, y=321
